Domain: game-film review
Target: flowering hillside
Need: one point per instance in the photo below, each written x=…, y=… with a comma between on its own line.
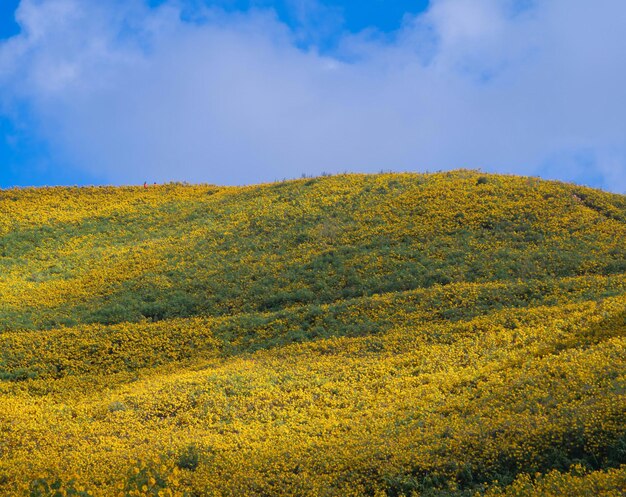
x=447, y=334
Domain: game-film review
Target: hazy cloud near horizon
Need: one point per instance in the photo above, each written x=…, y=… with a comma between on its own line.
x=130, y=93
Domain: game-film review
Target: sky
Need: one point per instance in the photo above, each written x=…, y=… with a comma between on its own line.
x=249, y=91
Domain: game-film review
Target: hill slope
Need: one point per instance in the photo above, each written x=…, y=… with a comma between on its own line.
x=351, y=335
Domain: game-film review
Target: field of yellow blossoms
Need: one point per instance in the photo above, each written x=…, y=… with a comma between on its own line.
x=450, y=334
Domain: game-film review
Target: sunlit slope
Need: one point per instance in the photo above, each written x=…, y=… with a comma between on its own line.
x=425, y=406
x=108, y=255
x=446, y=334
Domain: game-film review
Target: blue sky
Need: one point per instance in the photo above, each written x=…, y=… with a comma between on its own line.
x=245, y=91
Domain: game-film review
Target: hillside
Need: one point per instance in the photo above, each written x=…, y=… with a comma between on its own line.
x=395, y=334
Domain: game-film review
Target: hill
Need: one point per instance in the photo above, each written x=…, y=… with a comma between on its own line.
x=440, y=334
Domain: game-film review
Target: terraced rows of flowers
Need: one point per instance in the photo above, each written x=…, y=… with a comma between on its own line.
x=447, y=334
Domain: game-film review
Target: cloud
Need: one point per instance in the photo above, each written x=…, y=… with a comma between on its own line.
x=130, y=93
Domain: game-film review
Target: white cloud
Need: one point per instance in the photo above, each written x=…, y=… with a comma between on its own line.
x=130, y=93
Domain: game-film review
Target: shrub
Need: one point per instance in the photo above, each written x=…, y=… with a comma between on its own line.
x=189, y=458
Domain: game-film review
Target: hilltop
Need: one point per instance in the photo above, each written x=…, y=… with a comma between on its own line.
x=442, y=334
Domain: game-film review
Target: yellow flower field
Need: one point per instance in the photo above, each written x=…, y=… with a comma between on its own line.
x=448, y=334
